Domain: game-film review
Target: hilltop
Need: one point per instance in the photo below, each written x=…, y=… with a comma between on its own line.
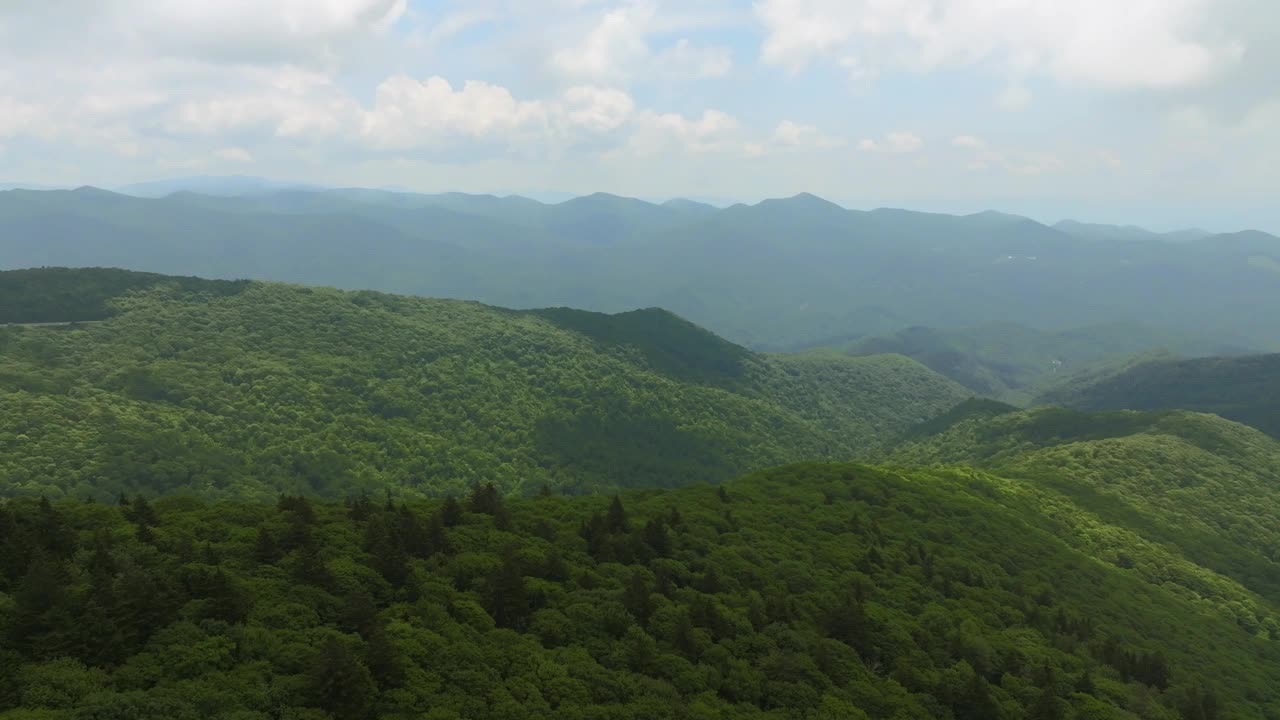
x=248, y=389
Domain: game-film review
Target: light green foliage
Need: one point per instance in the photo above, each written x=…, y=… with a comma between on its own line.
x=1182, y=500
x=271, y=388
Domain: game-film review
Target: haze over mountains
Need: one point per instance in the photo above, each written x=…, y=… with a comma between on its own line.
x=782, y=273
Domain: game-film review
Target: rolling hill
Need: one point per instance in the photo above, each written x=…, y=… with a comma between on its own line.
x=249, y=389
x=1245, y=389
x=1194, y=488
x=1015, y=363
x=778, y=274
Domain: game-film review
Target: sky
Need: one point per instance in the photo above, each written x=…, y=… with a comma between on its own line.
x=1164, y=113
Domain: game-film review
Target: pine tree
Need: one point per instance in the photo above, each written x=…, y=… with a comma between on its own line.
x=265, y=550
x=616, y=519
x=141, y=512
x=636, y=598
x=451, y=512
x=339, y=683
x=655, y=536
x=383, y=658
x=506, y=599
x=484, y=499
x=41, y=624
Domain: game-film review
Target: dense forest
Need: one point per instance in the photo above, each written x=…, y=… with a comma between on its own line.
x=809, y=591
x=1244, y=389
x=775, y=275
x=252, y=501
x=251, y=389
x=1194, y=493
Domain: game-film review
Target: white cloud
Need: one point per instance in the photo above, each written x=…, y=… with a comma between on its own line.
x=969, y=141
x=615, y=48
x=1099, y=43
x=284, y=103
x=431, y=113
x=410, y=113
x=234, y=154
x=894, y=142
x=611, y=49
x=713, y=131
x=789, y=134
x=231, y=31
x=17, y=117
x=687, y=60
x=597, y=109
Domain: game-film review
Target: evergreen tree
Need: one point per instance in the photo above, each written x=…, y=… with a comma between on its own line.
x=383, y=658
x=616, y=519
x=506, y=599
x=451, y=512
x=338, y=683
x=636, y=598
x=265, y=549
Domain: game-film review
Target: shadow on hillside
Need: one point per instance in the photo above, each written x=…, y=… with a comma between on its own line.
x=670, y=345
x=632, y=450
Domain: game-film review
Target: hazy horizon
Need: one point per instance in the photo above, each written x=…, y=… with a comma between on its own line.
x=1163, y=115
x=1039, y=214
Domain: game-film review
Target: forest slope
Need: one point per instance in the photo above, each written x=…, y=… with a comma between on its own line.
x=1196, y=491
x=814, y=592
x=1014, y=363
x=1244, y=389
x=250, y=389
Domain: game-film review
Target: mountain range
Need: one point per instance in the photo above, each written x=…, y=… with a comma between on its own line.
x=779, y=274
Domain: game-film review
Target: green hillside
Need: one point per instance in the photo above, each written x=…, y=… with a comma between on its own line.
x=248, y=389
x=807, y=592
x=1014, y=363
x=1195, y=492
x=1244, y=389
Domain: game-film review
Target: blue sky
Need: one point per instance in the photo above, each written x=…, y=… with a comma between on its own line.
x=1159, y=112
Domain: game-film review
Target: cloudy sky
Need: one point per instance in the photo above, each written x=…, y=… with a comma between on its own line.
x=1161, y=112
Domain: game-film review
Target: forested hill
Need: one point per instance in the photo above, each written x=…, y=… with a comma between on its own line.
x=1245, y=389
x=1197, y=492
x=249, y=389
x=809, y=592
x=1015, y=363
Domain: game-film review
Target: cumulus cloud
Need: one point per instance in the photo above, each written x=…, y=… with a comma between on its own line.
x=288, y=103
x=713, y=131
x=789, y=134
x=685, y=59
x=610, y=50
x=1099, y=43
x=616, y=48
x=409, y=113
x=895, y=142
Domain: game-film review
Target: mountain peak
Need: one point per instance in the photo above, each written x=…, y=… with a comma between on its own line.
x=804, y=201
